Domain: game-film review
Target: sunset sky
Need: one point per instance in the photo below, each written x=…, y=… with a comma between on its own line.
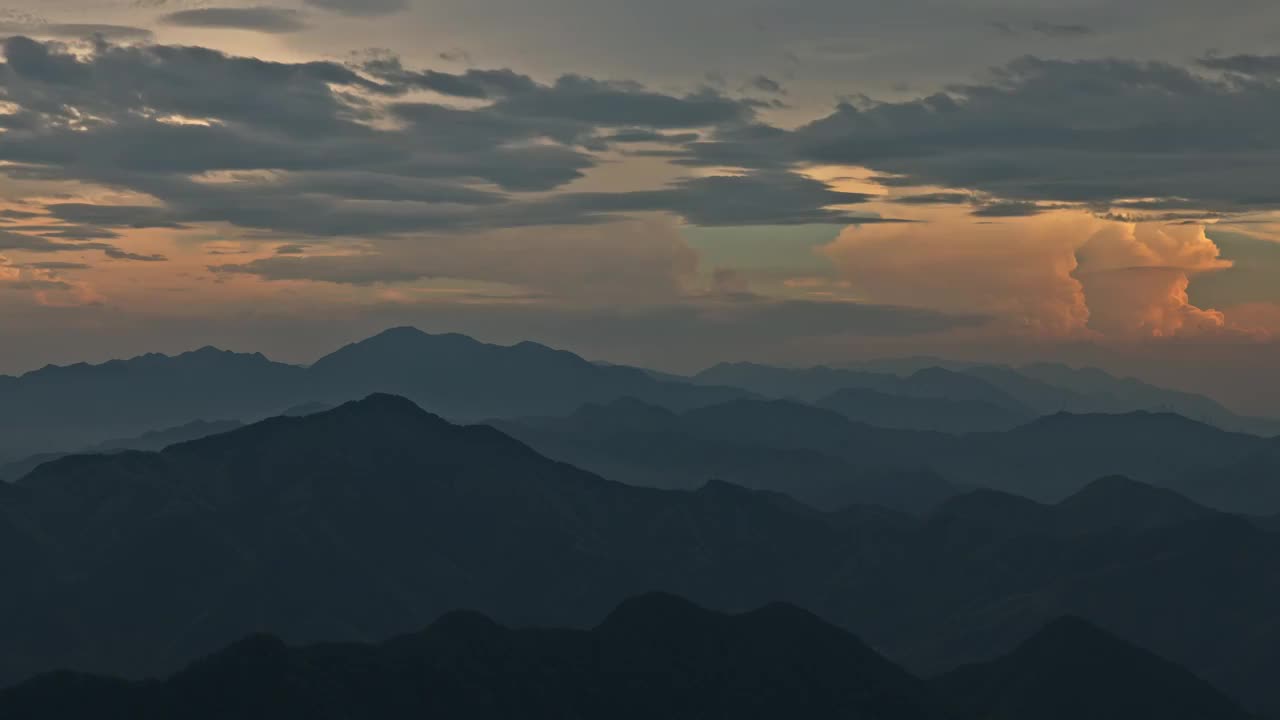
x=663, y=183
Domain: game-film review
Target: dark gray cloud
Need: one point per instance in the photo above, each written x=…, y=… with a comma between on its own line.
x=940, y=198
x=75, y=31
x=1060, y=30
x=41, y=244
x=766, y=84
x=322, y=149
x=641, y=135
x=361, y=8
x=118, y=254
x=1008, y=209
x=474, y=83
x=1092, y=131
x=778, y=198
x=1261, y=65
x=258, y=19
x=56, y=266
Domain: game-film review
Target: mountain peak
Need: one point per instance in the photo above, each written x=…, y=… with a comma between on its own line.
x=649, y=612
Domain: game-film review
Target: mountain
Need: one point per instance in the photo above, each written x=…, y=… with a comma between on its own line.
x=1111, y=504
x=376, y=517
x=1056, y=455
x=798, y=383
x=152, y=441
x=63, y=408
x=358, y=523
x=922, y=413
x=1106, y=393
x=464, y=379
x=822, y=457
x=1072, y=669
x=654, y=656
x=813, y=455
x=811, y=384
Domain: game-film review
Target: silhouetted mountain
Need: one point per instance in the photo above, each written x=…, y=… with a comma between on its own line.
x=1071, y=670
x=811, y=384
x=802, y=384
x=1250, y=484
x=462, y=378
x=1106, y=393
x=826, y=459
x=922, y=413
x=813, y=455
x=1111, y=504
x=1057, y=455
x=150, y=441
x=376, y=517
x=62, y=408
x=360, y=522
x=655, y=656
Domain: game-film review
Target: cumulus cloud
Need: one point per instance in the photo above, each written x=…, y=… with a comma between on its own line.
x=259, y=19
x=1060, y=274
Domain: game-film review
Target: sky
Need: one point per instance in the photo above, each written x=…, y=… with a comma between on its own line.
x=662, y=183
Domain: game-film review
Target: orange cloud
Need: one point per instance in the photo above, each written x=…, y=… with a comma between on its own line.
x=1059, y=274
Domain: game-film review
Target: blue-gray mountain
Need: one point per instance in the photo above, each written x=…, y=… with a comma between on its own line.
x=654, y=656
x=375, y=518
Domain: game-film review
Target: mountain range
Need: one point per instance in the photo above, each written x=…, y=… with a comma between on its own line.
x=70, y=408
x=61, y=409
x=654, y=656
x=376, y=517
x=822, y=457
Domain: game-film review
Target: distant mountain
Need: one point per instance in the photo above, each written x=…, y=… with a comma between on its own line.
x=355, y=524
x=1025, y=392
x=1107, y=505
x=376, y=517
x=1056, y=455
x=811, y=384
x=64, y=408
x=149, y=441
x=922, y=413
x=806, y=384
x=1105, y=393
x=1072, y=669
x=654, y=657
x=820, y=456
x=1249, y=484
x=813, y=455
x=464, y=379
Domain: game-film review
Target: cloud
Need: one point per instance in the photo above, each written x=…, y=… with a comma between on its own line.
x=361, y=8
x=767, y=85
x=73, y=31
x=1259, y=65
x=1008, y=209
x=636, y=261
x=1088, y=131
x=1059, y=274
x=322, y=149
x=258, y=19
x=43, y=244
x=1060, y=30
